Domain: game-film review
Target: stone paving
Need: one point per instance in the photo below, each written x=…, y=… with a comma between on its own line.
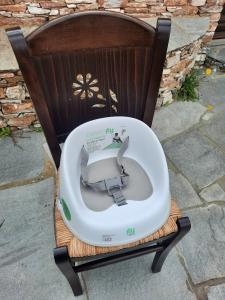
x=22, y=161
x=193, y=137
x=217, y=50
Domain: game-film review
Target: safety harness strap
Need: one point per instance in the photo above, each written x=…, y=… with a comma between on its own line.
x=112, y=185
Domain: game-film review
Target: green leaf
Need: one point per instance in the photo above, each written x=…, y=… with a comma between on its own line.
x=5, y=131
x=188, y=91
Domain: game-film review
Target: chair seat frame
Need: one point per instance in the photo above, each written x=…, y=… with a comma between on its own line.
x=161, y=246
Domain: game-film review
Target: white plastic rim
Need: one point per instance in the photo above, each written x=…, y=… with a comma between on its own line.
x=117, y=224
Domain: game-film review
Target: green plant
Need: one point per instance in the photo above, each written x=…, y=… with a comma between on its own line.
x=36, y=129
x=188, y=92
x=5, y=131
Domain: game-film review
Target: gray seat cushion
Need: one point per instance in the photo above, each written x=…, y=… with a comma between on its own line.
x=139, y=186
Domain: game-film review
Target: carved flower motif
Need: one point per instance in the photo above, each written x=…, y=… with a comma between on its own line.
x=86, y=87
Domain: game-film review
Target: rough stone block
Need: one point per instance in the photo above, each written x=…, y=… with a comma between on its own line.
x=17, y=108
x=200, y=57
x=7, y=75
x=211, y=9
x=175, y=2
x=216, y=292
x=211, y=3
x=25, y=22
x=133, y=280
x=207, y=37
x=65, y=11
x=2, y=93
x=202, y=248
x=159, y=102
x=78, y=1
x=71, y=5
x=35, y=3
x=136, y=4
x=28, y=270
x=52, y=4
x=9, y=82
x=200, y=161
x=38, y=10
x=180, y=66
x=5, y=14
x=54, y=12
x=215, y=129
x=217, y=53
x=10, y=101
x=22, y=121
x=2, y=122
x=101, y=3
x=16, y=92
x=14, y=8
x=83, y=7
x=176, y=118
x=142, y=15
x=172, y=60
x=215, y=17
x=182, y=191
x=213, y=193
x=3, y=2
x=211, y=92
x=198, y=2
x=207, y=116
x=112, y=3
x=166, y=71
x=116, y=10
x=167, y=97
x=157, y=9
x=169, y=82
x=23, y=161
x=213, y=26
x=153, y=2
x=186, y=10
x=135, y=10
x=173, y=8
x=21, y=15
x=167, y=14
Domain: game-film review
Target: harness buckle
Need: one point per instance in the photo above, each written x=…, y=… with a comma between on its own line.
x=114, y=187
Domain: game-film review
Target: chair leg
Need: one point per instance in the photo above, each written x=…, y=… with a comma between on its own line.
x=184, y=226
x=63, y=262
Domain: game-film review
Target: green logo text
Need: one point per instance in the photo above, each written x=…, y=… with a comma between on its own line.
x=109, y=130
x=130, y=231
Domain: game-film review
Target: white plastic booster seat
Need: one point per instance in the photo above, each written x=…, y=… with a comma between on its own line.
x=114, y=182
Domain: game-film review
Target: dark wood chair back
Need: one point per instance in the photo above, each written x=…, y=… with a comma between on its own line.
x=90, y=65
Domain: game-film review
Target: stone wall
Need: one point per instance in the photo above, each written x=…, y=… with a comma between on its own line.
x=36, y=12
x=16, y=109
x=178, y=64
x=15, y=104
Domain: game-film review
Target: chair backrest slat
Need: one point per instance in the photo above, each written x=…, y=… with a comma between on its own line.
x=90, y=65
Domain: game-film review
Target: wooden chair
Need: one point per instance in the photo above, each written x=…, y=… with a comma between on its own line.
x=117, y=62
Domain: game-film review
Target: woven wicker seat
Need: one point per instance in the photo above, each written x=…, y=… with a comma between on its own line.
x=77, y=248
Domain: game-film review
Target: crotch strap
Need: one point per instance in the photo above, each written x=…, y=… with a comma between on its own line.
x=112, y=185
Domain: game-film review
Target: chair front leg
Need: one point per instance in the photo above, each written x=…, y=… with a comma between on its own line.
x=184, y=226
x=64, y=263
